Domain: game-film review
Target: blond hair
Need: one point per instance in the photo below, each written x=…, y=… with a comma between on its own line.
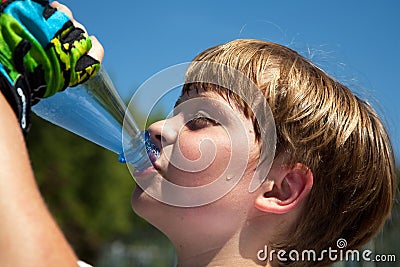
x=322, y=124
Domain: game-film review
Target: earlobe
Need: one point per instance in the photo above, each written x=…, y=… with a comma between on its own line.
x=290, y=186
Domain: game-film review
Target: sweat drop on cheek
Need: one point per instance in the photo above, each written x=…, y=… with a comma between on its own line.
x=95, y=111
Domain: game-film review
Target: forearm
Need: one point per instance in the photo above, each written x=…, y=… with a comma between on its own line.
x=29, y=235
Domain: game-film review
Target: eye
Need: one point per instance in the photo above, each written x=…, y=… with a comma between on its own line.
x=200, y=121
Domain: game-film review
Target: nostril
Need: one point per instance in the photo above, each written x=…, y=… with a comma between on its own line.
x=162, y=140
x=163, y=133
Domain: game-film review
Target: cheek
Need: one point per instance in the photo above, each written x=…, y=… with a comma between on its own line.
x=200, y=158
x=204, y=147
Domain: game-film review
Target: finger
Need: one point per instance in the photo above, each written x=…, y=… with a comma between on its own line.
x=80, y=26
x=68, y=12
x=62, y=8
x=97, y=50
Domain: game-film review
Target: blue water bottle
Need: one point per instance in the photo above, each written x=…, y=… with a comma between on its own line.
x=95, y=111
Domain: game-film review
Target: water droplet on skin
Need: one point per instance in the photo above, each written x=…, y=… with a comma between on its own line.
x=229, y=177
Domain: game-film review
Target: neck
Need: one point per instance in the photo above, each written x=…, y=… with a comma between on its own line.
x=231, y=253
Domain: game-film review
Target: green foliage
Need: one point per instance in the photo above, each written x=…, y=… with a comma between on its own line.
x=85, y=187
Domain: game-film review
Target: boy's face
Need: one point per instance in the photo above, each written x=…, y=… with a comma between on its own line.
x=199, y=140
x=205, y=140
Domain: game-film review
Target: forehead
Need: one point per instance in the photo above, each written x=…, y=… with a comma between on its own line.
x=230, y=97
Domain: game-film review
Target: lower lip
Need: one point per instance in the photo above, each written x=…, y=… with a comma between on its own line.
x=146, y=172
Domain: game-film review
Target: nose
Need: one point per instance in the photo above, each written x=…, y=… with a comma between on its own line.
x=163, y=133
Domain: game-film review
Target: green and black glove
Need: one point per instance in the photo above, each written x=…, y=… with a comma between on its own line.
x=41, y=53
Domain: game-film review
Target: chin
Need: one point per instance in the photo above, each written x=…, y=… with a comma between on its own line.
x=148, y=208
x=140, y=200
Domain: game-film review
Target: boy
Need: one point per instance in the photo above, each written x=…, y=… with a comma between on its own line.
x=332, y=178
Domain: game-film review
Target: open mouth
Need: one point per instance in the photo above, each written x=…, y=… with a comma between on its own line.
x=152, y=151
x=137, y=159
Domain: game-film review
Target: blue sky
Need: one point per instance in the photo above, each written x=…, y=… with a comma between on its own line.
x=358, y=42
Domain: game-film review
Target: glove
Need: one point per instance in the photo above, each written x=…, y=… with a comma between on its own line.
x=41, y=53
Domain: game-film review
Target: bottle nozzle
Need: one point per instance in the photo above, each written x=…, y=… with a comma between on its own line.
x=134, y=153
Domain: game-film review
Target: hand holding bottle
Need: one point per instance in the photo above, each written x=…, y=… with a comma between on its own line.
x=43, y=50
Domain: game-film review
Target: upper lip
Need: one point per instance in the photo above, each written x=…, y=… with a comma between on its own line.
x=157, y=167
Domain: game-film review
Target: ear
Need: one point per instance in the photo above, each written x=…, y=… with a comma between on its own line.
x=289, y=186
